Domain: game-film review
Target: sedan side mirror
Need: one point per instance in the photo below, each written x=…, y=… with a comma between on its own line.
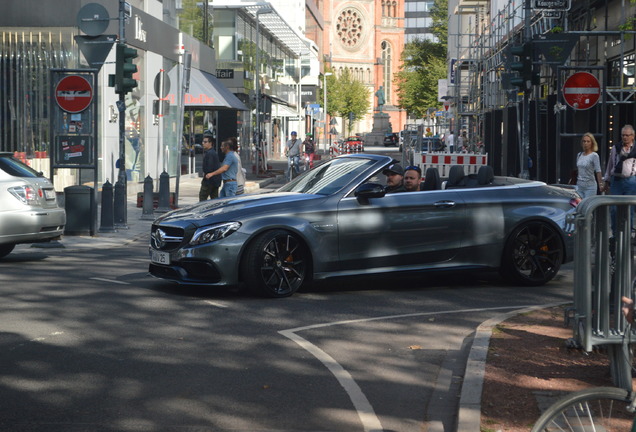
x=369, y=190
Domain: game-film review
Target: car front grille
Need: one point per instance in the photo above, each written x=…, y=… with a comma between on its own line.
x=166, y=238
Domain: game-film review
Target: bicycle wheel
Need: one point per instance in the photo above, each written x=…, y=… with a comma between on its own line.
x=594, y=409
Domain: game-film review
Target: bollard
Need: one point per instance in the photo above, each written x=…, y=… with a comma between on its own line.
x=120, y=205
x=149, y=205
x=107, y=220
x=164, y=193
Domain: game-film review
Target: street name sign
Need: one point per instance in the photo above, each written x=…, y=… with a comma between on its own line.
x=551, y=4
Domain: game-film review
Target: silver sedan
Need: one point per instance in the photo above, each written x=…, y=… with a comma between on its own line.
x=337, y=220
x=29, y=211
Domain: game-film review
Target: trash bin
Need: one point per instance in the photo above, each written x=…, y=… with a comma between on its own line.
x=79, y=203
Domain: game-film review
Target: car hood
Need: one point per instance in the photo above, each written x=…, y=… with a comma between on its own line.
x=235, y=208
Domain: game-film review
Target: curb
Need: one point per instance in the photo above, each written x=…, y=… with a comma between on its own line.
x=469, y=413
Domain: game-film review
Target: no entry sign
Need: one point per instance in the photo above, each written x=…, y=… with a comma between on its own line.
x=73, y=93
x=581, y=91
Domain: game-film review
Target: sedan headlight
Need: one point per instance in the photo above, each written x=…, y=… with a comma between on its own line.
x=213, y=233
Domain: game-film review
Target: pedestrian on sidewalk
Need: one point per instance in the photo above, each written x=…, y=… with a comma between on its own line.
x=588, y=165
x=209, y=185
x=229, y=168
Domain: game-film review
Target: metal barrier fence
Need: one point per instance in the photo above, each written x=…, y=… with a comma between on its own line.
x=603, y=273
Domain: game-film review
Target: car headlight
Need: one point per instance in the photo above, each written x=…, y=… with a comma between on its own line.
x=213, y=233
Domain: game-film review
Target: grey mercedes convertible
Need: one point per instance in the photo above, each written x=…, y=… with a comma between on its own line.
x=336, y=220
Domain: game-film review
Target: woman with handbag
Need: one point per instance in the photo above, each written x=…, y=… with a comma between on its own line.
x=588, y=166
x=620, y=174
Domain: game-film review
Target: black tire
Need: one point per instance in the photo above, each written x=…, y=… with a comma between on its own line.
x=621, y=357
x=598, y=409
x=276, y=264
x=533, y=254
x=5, y=249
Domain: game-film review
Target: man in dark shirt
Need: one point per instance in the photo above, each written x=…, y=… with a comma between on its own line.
x=209, y=186
x=394, y=178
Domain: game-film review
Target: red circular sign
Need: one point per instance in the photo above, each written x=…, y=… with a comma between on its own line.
x=73, y=93
x=581, y=90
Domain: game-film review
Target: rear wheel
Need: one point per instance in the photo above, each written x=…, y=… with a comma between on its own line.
x=533, y=254
x=595, y=409
x=5, y=249
x=276, y=264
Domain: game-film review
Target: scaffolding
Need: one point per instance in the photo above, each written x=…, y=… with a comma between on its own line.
x=479, y=79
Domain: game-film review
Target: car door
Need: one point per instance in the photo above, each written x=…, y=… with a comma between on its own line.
x=403, y=230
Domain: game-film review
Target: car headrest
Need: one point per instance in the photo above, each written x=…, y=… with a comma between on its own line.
x=431, y=180
x=455, y=175
x=485, y=175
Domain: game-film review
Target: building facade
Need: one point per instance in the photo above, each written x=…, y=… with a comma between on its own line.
x=367, y=38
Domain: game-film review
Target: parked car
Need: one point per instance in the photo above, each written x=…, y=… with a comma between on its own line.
x=391, y=139
x=432, y=144
x=29, y=211
x=336, y=220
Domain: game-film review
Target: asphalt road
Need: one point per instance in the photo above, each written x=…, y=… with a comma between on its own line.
x=89, y=342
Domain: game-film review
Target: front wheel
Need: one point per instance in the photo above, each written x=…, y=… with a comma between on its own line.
x=276, y=264
x=5, y=249
x=533, y=254
x=595, y=409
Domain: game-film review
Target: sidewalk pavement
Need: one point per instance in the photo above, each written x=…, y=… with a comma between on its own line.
x=139, y=229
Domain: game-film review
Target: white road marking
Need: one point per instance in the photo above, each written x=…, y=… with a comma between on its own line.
x=110, y=280
x=216, y=304
x=368, y=418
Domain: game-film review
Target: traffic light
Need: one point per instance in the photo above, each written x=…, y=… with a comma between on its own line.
x=528, y=74
x=124, y=70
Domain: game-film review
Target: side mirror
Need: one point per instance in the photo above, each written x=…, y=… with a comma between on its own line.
x=369, y=190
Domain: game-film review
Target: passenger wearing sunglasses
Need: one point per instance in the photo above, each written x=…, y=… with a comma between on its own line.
x=394, y=179
x=412, y=178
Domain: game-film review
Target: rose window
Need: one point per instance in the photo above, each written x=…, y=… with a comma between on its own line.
x=349, y=27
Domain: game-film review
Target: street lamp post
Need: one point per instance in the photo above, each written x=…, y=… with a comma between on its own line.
x=324, y=94
x=261, y=11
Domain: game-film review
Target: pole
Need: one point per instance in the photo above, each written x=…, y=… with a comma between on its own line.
x=525, y=126
x=121, y=201
x=258, y=94
x=324, y=106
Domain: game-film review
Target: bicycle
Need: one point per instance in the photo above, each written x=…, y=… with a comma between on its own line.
x=293, y=168
x=607, y=409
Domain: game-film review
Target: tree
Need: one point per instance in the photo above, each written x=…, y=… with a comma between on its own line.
x=346, y=95
x=423, y=64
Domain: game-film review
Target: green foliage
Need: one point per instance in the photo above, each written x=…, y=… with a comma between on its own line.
x=424, y=64
x=439, y=15
x=345, y=95
x=191, y=19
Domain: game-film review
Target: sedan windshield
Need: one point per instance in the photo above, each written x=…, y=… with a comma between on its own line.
x=330, y=177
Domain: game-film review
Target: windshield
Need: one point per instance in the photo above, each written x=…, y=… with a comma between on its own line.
x=328, y=178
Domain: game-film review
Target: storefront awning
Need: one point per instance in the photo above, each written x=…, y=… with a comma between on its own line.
x=206, y=91
x=279, y=110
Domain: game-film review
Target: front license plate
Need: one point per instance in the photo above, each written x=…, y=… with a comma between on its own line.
x=158, y=257
x=49, y=194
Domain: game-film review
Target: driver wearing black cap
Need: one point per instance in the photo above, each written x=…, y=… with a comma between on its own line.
x=394, y=178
